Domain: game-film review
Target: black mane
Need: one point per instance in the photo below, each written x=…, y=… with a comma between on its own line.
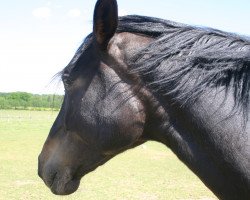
x=185, y=60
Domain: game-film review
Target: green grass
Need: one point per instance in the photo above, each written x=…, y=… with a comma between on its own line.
x=148, y=172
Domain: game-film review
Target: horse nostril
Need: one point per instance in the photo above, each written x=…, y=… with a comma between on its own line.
x=39, y=171
x=39, y=168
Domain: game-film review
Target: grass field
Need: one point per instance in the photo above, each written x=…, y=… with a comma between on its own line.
x=149, y=172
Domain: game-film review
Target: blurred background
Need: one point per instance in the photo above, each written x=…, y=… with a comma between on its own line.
x=38, y=38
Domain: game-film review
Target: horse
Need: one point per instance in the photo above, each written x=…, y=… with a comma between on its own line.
x=138, y=78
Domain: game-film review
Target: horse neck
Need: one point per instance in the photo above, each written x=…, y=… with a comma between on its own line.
x=193, y=135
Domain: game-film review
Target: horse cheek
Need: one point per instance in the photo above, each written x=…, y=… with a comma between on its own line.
x=124, y=128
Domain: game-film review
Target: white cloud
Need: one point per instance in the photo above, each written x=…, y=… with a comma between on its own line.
x=122, y=12
x=59, y=6
x=48, y=3
x=74, y=13
x=42, y=13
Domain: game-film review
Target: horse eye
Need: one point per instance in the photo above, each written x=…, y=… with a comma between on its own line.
x=66, y=80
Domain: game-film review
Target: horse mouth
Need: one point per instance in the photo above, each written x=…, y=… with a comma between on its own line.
x=63, y=185
x=66, y=181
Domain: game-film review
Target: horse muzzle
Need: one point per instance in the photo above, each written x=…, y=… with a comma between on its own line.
x=60, y=181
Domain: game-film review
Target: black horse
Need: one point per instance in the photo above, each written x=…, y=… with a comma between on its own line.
x=138, y=78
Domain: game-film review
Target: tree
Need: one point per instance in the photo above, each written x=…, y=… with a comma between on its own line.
x=24, y=100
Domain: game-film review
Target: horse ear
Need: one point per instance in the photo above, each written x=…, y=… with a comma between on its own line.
x=105, y=21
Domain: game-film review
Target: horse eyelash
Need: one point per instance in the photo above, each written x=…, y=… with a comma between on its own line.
x=66, y=80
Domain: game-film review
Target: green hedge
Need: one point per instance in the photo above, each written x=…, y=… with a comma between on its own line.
x=28, y=101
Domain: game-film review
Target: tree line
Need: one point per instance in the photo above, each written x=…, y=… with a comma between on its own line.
x=24, y=100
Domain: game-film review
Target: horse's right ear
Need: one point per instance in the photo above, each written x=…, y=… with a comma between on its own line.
x=105, y=21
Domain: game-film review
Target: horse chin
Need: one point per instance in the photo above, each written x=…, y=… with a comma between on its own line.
x=62, y=187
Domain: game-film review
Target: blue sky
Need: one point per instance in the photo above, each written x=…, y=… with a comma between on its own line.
x=38, y=38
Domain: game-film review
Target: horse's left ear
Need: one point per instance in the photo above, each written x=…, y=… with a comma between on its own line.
x=105, y=21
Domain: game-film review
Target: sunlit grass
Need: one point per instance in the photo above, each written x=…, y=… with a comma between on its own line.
x=149, y=172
